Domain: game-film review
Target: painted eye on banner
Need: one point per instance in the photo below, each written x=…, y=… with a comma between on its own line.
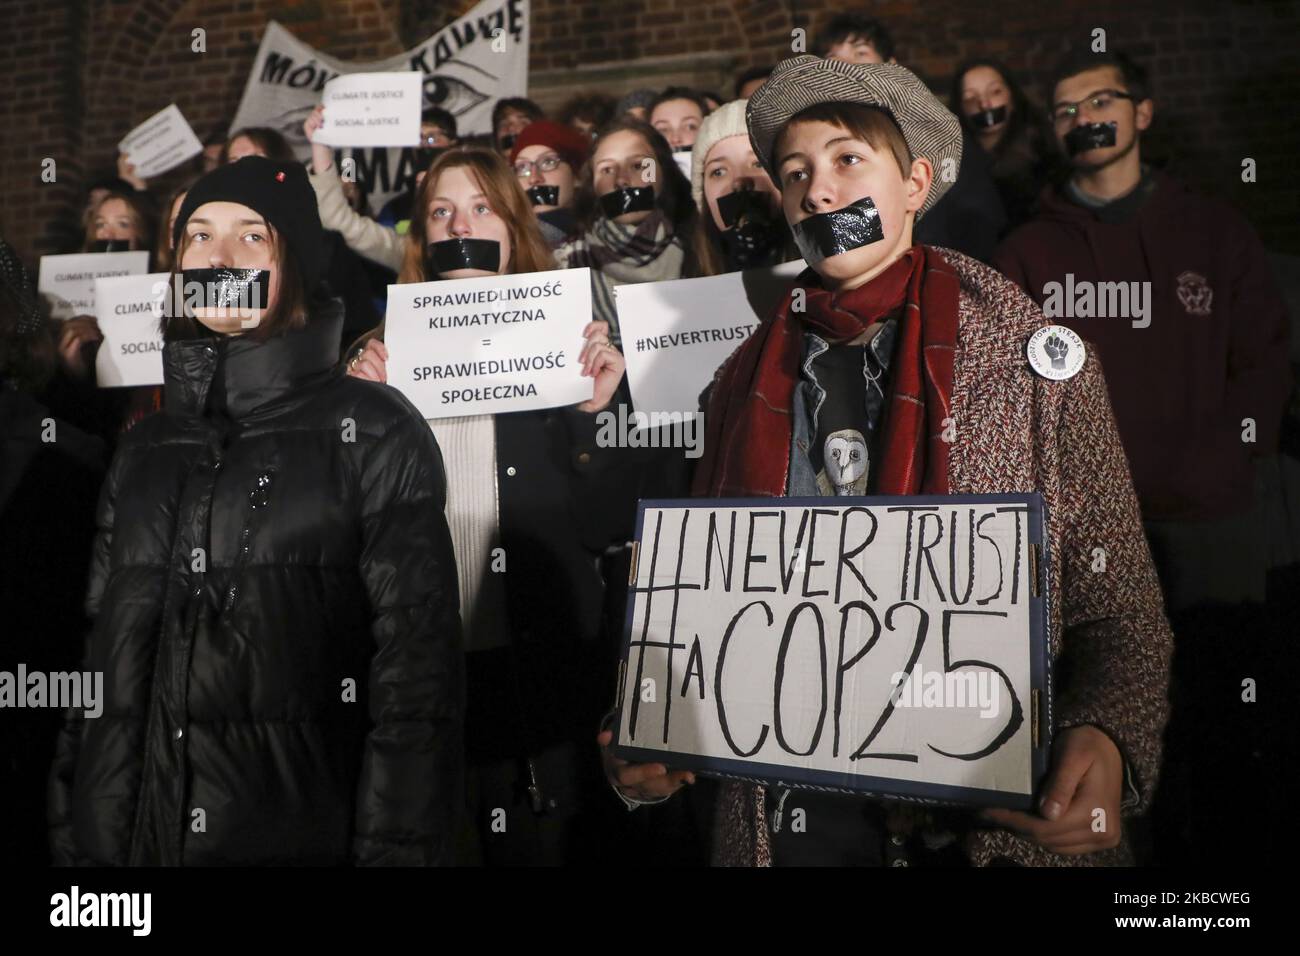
x=455, y=96
x=289, y=124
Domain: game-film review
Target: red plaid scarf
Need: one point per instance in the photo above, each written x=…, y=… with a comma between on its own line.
x=748, y=422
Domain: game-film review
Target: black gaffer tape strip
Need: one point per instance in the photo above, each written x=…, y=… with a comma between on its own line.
x=544, y=195
x=743, y=203
x=829, y=234
x=452, y=254
x=627, y=199
x=224, y=288
x=111, y=245
x=987, y=118
x=1090, y=136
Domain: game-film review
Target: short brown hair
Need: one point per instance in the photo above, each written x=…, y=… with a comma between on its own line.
x=871, y=124
x=289, y=311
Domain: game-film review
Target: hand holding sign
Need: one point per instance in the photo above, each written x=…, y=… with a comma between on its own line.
x=1086, y=776
x=598, y=359
x=602, y=362
x=643, y=782
x=79, y=337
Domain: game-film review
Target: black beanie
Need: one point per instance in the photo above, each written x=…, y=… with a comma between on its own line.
x=281, y=193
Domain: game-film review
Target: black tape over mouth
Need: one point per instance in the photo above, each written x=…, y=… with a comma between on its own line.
x=452, y=254
x=111, y=245
x=743, y=204
x=986, y=119
x=1090, y=136
x=627, y=199
x=829, y=234
x=544, y=195
x=226, y=288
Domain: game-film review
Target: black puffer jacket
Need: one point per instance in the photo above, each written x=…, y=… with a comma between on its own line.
x=251, y=567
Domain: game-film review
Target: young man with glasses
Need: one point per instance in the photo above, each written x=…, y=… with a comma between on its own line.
x=1175, y=292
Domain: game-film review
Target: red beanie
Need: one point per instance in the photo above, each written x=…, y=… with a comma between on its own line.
x=571, y=145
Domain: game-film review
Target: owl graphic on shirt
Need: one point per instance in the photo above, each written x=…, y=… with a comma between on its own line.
x=844, y=464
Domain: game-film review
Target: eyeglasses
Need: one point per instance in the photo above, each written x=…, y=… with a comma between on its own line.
x=547, y=164
x=434, y=140
x=1097, y=102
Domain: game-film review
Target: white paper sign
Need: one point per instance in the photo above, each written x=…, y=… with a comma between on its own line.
x=372, y=109
x=677, y=333
x=496, y=344
x=160, y=143
x=890, y=645
x=129, y=309
x=465, y=68
x=69, y=281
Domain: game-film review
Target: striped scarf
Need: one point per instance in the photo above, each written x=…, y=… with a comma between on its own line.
x=647, y=252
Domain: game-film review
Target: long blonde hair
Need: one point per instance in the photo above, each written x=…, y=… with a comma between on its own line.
x=528, y=250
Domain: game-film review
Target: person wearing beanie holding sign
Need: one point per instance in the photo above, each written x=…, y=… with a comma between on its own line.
x=951, y=406
x=273, y=586
x=546, y=158
x=740, y=224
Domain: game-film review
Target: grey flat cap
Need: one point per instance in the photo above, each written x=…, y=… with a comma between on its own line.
x=930, y=129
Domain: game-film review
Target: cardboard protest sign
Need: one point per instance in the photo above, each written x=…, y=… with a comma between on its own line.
x=887, y=645
x=372, y=109
x=495, y=344
x=129, y=309
x=160, y=143
x=69, y=281
x=677, y=333
x=465, y=67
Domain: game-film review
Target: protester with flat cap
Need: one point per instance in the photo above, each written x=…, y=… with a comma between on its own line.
x=272, y=584
x=950, y=405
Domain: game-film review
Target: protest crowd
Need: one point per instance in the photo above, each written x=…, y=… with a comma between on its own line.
x=353, y=631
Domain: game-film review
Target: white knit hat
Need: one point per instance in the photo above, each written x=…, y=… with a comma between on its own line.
x=727, y=120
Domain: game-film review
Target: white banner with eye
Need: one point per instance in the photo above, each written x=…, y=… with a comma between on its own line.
x=465, y=68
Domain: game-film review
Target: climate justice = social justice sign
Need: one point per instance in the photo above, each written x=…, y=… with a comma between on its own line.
x=493, y=344
x=887, y=645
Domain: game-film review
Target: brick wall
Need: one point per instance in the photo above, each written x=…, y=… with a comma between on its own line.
x=83, y=72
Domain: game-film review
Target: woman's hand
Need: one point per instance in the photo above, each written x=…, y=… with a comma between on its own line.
x=322, y=157
x=79, y=339
x=601, y=361
x=370, y=363
x=1086, y=776
x=126, y=170
x=640, y=781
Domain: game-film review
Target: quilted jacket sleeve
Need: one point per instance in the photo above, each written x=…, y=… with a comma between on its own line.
x=409, y=792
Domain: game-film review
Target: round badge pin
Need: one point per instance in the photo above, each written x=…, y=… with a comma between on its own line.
x=1056, y=352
